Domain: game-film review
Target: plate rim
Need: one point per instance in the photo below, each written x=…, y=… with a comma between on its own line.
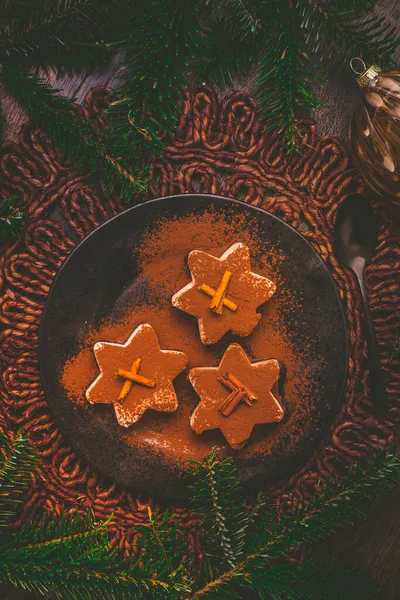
x=211, y=197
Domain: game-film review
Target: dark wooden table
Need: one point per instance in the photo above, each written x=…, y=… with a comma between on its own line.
x=373, y=546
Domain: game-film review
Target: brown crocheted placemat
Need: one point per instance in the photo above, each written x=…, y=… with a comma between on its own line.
x=219, y=148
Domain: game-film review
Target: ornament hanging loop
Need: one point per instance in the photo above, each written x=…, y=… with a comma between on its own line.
x=362, y=64
x=367, y=76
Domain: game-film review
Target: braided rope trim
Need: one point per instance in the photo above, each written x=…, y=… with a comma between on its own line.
x=219, y=148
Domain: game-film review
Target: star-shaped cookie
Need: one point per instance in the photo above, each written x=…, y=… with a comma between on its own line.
x=136, y=376
x=224, y=293
x=235, y=396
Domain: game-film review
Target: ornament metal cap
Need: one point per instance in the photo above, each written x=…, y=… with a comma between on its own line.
x=368, y=76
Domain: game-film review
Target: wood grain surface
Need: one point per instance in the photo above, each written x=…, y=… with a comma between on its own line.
x=373, y=546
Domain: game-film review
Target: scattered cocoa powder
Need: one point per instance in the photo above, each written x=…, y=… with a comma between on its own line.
x=162, y=254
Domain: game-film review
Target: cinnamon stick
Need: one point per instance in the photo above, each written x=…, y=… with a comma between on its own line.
x=231, y=402
x=209, y=291
x=126, y=388
x=135, y=378
x=216, y=303
x=251, y=395
x=239, y=393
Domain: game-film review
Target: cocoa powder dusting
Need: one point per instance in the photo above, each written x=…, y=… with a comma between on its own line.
x=162, y=259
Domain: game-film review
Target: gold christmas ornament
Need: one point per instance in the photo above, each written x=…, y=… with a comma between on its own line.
x=375, y=129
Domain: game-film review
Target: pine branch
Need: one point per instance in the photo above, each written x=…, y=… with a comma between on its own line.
x=17, y=461
x=309, y=580
x=340, y=504
x=290, y=580
x=73, y=137
x=236, y=17
x=73, y=532
x=310, y=521
x=11, y=219
x=166, y=551
x=161, y=39
x=68, y=557
x=62, y=34
x=214, y=487
x=226, y=54
x=292, y=37
x=71, y=559
x=287, y=75
x=19, y=13
x=258, y=508
x=352, y=30
x=155, y=66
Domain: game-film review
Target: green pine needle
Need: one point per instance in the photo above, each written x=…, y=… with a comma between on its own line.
x=73, y=137
x=287, y=76
x=71, y=559
x=226, y=53
x=59, y=33
x=160, y=43
x=292, y=40
x=11, y=219
x=341, y=503
x=17, y=461
x=214, y=485
x=155, y=66
x=246, y=550
x=236, y=16
x=309, y=580
x=351, y=29
x=306, y=521
x=165, y=548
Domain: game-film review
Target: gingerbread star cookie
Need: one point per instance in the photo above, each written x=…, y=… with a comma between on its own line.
x=136, y=376
x=224, y=293
x=235, y=396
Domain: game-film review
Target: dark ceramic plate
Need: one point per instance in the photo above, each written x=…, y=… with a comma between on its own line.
x=105, y=277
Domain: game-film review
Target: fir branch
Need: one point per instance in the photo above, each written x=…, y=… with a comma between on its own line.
x=18, y=13
x=292, y=37
x=237, y=17
x=287, y=75
x=290, y=580
x=11, y=219
x=155, y=65
x=258, y=507
x=309, y=580
x=72, y=559
x=353, y=28
x=73, y=137
x=214, y=486
x=340, y=503
x=65, y=35
x=165, y=548
x=74, y=531
x=225, y=56
x=17, y=461
x=161, y=39
x=347, y=498
x=68, y=557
